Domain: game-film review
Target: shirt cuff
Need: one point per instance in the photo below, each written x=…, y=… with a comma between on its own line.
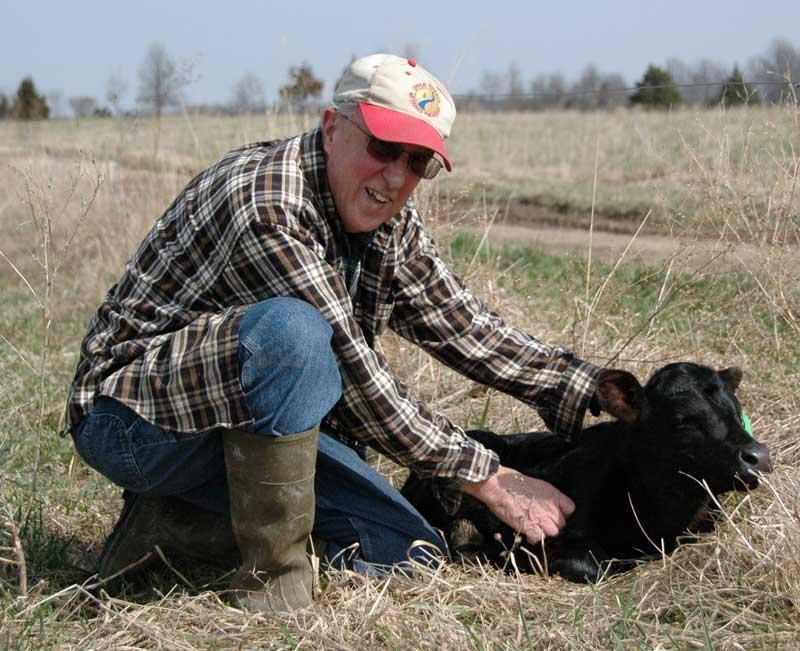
x=447, y=490
x=575, y=390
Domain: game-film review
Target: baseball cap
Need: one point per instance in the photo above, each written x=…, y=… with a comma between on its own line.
x=400, y=101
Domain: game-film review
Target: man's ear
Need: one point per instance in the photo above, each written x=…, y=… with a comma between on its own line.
x=330, y=119
x=620, y=394
x=732, y=377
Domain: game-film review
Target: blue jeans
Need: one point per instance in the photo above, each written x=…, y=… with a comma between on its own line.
x=291, y=381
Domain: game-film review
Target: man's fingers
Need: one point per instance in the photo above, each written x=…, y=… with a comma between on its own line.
x=559, y=522
x=543, y=518
x=566, y=505
x=547, y=512
x=550, y=529
x=537, y=534
x=535, y=537
x=547, y=521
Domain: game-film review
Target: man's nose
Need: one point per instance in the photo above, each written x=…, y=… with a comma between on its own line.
x=396, y=173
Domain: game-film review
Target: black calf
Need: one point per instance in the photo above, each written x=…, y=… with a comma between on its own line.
x=635, y=481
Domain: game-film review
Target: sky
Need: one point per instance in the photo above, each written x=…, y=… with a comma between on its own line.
x=74, y=47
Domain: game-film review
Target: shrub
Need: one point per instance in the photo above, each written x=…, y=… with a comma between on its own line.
x=736, y=92
x=28, y=104
x=656, y=90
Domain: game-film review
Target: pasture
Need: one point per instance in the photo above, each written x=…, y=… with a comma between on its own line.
x=713, y=194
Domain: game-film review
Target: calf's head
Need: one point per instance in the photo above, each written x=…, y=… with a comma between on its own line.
x=687, y=419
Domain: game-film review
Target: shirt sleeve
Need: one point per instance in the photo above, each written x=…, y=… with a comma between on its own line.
x=276, y=259
x=434, y=309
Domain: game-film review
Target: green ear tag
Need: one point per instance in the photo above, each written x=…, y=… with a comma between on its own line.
x=746, y=424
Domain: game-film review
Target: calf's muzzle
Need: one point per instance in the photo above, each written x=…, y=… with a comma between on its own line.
x=755, y=456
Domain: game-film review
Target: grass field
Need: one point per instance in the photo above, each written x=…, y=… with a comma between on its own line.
x=75, y=199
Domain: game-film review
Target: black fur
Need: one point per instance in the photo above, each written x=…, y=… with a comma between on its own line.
x=634, y=481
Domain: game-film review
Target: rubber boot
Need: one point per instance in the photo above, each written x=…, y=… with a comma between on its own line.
x=176, y=526
x=271, y=489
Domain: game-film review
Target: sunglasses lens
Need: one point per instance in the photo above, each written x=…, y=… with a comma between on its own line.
x=424, y=166
x=385, y=152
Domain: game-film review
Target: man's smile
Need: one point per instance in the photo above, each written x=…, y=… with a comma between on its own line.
x=377, y=196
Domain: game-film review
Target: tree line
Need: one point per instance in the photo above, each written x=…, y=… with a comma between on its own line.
x=162, y=81
x=766, y=78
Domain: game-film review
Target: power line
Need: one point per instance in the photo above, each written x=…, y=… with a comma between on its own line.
x=606, y=91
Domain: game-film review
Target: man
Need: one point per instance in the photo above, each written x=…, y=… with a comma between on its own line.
x=247, y=317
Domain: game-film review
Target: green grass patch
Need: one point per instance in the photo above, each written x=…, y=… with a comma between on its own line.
x=711, y=310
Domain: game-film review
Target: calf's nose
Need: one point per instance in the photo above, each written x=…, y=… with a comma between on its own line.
x=756, y=456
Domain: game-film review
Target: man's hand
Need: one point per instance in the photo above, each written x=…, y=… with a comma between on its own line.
x=531, y=506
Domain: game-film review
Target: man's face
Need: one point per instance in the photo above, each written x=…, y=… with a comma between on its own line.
x=367, y=192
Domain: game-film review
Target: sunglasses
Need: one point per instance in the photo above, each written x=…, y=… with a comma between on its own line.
x=423, y=165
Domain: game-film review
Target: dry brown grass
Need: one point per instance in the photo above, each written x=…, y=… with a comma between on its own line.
x=735, y=589
x=738, y=588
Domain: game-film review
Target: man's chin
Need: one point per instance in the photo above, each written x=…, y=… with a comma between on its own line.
x=365, y=224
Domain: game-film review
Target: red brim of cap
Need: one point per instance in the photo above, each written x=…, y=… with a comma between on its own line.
x=394, y=126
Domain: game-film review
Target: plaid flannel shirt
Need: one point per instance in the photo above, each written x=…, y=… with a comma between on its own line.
x=261, y=223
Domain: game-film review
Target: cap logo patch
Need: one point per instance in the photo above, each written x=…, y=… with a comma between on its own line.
x=425, y=99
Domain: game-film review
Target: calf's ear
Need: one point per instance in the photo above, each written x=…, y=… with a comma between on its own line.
x=620, y=394
x=732, y=377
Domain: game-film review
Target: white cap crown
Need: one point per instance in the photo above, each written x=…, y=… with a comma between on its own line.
x=400, y=85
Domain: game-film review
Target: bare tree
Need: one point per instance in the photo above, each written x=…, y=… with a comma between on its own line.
x=516, y=88
x=708, y=79
x=595, y=90
x=248, y=95
x=161, y=82
x=116, y=87
x=83, y=107
x=55, y=99
x=492, y=84
x=781, y=63
x=680, y=72
x=584, y=89
x=612, y=92
x=699, y=84
x=549, y=91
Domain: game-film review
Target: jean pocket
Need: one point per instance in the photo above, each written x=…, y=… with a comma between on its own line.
x=173, y=463
x=103, y=442
x=146, y=435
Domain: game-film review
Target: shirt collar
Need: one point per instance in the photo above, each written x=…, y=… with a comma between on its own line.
x=315, y=170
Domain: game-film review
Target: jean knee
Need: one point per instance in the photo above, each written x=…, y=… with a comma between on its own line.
x=286, y=361
x=294, y=331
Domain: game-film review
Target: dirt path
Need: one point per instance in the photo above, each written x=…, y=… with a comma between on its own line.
x=605, y=246
x=652, y=249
